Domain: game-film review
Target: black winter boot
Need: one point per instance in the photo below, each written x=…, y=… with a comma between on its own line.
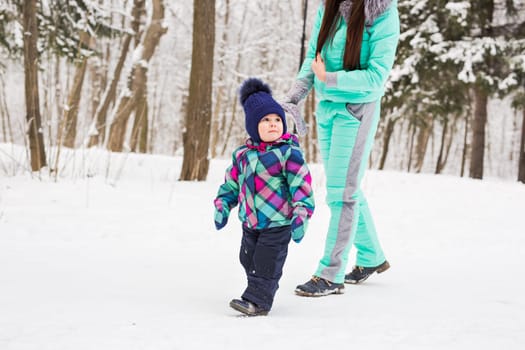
x=318, y=287
x=360, y=274
x=247, y=308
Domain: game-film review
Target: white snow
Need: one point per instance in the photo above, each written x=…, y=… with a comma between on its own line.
x=117, y=254
x=459, y=9
x=137, y=54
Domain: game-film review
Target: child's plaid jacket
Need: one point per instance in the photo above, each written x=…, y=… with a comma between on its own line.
x=272, y=185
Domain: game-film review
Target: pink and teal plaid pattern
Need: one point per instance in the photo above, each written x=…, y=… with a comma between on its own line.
x=272, y=185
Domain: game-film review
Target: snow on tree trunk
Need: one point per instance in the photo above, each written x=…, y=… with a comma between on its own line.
x=196, y=137
x=33, y=118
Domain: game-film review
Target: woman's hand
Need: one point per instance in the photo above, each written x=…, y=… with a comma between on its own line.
x=319, y=68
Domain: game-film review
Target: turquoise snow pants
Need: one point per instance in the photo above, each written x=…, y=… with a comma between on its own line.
x=346, y=134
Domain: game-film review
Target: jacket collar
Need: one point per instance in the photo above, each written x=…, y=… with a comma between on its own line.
x=373, y=9
x=263, y=146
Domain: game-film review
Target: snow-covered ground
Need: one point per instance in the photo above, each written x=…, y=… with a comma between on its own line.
x=125, y=257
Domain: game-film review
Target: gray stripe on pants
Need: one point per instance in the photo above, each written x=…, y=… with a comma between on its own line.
x=365, y=113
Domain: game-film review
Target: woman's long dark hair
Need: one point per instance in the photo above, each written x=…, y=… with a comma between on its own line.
x=354, y=32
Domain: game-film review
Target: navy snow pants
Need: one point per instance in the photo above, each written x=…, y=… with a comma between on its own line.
x=262, y=254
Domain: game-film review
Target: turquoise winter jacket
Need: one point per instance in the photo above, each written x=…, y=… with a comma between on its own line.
x=378, y=49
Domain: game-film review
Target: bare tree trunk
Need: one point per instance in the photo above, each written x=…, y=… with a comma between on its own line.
x=139, y=133
x=105, y=59
x=216, y=129
x=411, y=144
x=196, y=137
x=313, y=128
x=465, y=146
x=183, y=111
x=137, y=79
x=389, y=130
x=99, y=135
x=303, y=34
x=47, y=114
x=306, y=144
x=217, y=110
x=440, y=164
x=144, y=129
x=230, y=126
x=238, y=62
x=138, y=11
x=450, y=140
x=104, y=67
x=421, y=145
x=485, y=17
x=95, y=73
x=158, y=93
x=521, y=166
x=310, y=140
x=34, y=122
x=7, y=129
x=99, y=131
x=73, y=103
x=478, y=133
x=58, y=90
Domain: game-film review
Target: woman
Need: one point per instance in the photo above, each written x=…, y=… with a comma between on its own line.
x=350, y=55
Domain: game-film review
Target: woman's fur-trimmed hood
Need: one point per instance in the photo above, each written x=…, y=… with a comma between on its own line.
x=373, y=9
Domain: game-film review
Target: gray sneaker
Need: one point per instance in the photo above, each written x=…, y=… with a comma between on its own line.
x=318, y=287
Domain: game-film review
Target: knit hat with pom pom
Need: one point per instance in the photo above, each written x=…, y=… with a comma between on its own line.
x=257, y=101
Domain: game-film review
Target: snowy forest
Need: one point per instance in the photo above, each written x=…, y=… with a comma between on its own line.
x=162, y=77
x=118, y=119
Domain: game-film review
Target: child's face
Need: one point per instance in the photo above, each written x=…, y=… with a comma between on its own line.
x=270, y=127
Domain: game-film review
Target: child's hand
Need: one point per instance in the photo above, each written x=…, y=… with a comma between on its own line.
x=297, y=235
x=298, y=229
x=221, y=214
x=220, y=224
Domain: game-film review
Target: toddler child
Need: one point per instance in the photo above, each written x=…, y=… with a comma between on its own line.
x=270, y=181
